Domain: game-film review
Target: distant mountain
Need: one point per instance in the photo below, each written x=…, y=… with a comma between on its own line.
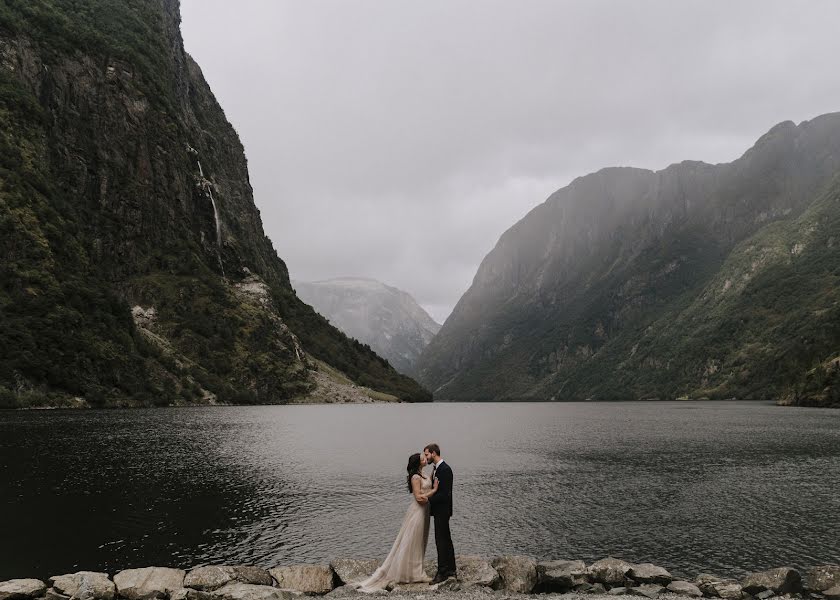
x=135, y=270
x=699, y=280
x=387, y=319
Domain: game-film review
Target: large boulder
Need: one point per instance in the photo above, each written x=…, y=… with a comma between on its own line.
x=190, y=594
x=517, y=574
x=149, y=583
x=609, y=571
x=718, y=587
x=649, y=573
x=476, y=571
x=783, y=580
x=21, y=589
x=84, y=585
x=309, y=579
x=560, y=576
x=819, y=579
x=213, y=577
x=248, y=591
x=352, y=570
x=684, y=588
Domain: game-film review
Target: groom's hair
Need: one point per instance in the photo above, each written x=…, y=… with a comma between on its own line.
x=433, y=448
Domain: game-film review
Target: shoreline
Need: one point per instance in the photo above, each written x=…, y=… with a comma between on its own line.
x=477, y=576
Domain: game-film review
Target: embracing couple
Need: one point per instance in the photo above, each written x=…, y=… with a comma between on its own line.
x=432, y=495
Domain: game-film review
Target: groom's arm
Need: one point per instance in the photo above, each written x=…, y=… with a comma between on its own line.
x=444, y=488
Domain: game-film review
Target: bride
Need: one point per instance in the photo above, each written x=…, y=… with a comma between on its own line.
x=404, y=563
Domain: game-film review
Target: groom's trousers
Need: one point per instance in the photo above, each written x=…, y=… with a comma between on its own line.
x=445, y=549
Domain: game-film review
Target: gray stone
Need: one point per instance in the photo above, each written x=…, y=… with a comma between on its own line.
x=148, y=583
x=609, y=571
x=344, y=590
x=472, y=571
x=52, y=594
x=618, y=591
x=684, y=588
x=21, y=589
x=518, y=574
x=309, y=579
x=597, y=588
x=765, y=594
x=783, y=580
x=647, y=590
x=85, y=585
x=215, y=576
x=822, y=578
x=351, y=570
x=560, y=576
x=649, y=573
x=248, y=591
x=718, y=587
x=190, y=594
x=832, y=593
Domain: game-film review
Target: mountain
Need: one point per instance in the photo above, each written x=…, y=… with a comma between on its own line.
x=135, y=270
x=697, y=281
x=387, y=319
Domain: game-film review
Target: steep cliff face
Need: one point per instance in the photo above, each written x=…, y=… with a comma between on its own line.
x=135, y=267
x=602, y=292
x=387, y=319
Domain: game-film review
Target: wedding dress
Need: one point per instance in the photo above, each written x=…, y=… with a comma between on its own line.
x=404, y=563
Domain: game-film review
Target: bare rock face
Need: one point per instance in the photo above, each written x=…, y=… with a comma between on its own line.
x=824, y=577
x=248, y=591
x=609, y=571
x=21, y=589
x=351, y=570
x=684, y=588
x=213, y=577
x=560, y=576
x=648, y=573
x=783, y=580
x=85, y=585
x=518, y=574
x=149, y=583
x=308, y=579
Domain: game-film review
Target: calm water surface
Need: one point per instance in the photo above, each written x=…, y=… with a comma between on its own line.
x=726, y=487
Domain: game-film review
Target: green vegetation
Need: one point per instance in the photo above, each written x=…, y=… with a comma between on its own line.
x=101, y=210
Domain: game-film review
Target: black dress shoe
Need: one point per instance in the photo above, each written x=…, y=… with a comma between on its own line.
x=438, y=579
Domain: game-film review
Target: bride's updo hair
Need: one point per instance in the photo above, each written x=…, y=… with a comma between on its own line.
x=413, y=468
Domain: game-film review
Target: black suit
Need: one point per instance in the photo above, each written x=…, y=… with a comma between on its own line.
x=441, y=510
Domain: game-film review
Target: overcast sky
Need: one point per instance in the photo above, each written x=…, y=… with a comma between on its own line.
x=398, y=140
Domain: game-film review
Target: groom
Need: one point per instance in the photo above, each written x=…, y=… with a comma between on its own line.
x=441, y=510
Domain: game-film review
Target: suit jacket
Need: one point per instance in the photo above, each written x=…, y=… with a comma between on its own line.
x=440, y=505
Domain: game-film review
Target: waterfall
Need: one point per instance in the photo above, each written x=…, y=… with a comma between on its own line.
x=206, y=185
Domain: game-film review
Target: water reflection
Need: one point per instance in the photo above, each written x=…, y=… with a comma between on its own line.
x=712, y=486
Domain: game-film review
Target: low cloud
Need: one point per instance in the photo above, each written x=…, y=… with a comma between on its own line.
x=399, y=140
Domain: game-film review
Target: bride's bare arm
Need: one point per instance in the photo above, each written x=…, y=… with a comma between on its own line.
x=432, y=491
x=416, y=484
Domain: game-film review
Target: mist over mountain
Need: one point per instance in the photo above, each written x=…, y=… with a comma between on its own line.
x=135, y=268
x=697, y=281
x=387, y=319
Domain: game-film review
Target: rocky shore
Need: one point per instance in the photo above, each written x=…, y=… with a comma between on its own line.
x=478, y=577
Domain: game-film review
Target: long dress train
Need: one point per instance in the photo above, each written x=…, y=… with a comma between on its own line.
x=404, y=563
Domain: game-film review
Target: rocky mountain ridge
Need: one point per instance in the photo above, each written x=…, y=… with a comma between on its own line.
x=697, y=281
x=385, y=318
x=135, y=268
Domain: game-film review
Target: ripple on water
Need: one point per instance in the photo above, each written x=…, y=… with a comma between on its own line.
x=706, y=486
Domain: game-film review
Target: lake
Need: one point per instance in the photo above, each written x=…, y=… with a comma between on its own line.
x=701, y=486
